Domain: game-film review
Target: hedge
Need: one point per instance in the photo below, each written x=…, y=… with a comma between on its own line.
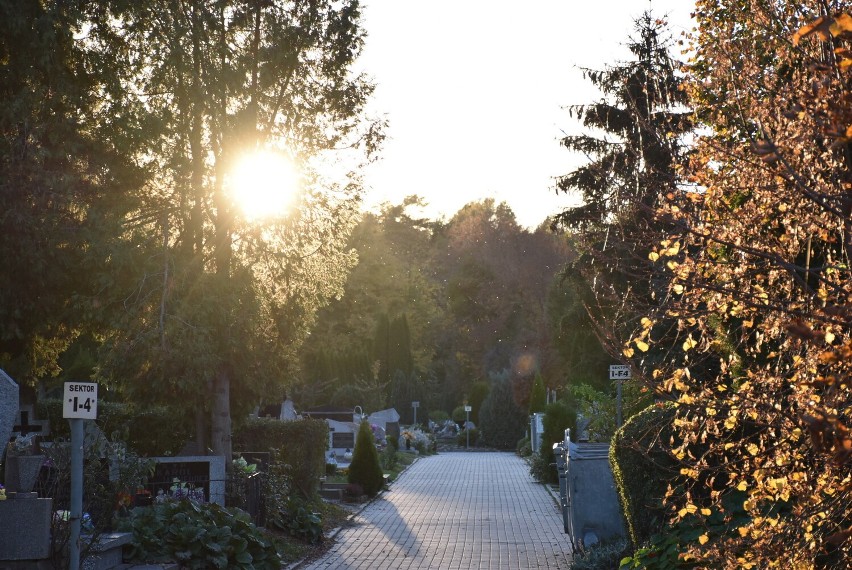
x=302, y=444
x=155, y=431
x=642, y=469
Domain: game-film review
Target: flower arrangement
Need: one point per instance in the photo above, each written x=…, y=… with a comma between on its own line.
x=180, y=490
x=417, y=438
x=23, y=445
x=243, y=467
x=123, y=501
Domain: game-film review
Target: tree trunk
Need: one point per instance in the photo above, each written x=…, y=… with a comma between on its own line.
x=220, y=419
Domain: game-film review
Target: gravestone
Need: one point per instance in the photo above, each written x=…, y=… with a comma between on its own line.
x=8, y=409
x=24, y=518
x=206, y=472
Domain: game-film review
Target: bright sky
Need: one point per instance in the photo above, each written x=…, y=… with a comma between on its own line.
x=474, y=91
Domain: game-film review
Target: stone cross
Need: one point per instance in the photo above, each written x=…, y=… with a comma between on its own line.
x=29, y=425
x=8, y=409
x=25, y=427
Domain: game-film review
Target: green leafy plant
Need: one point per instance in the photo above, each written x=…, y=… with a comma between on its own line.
x=603, y=556
x=300, y=521
x=389, y=458
x=198, y=536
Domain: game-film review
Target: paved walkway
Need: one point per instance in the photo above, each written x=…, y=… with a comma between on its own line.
x=455, y=511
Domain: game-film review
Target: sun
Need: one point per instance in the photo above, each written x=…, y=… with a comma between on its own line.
x=264, y=184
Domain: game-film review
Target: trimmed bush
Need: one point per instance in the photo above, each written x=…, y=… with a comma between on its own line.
x=642, y=469
x=439, y=416
x=462, y=437
x=557, y=417
x=365, y=469
x=301, y=444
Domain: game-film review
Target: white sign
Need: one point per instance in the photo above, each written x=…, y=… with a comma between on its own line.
x=619, y=372
x=468, y=408
x=415, y=404
x=80, y=400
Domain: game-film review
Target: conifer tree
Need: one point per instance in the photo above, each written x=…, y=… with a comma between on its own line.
x=633, y=166
x=365, y=469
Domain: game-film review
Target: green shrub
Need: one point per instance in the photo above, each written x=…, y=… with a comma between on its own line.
x=642, y=469
x=389, y=458
x=302, y=444
x=459, y=415
x=543, y=469
x=461, y=438
x=300, y=521
x=198, y=536
x=538, y=396
x=557, y=417
x=365, y=469
x=524, y=447
x=439, y=416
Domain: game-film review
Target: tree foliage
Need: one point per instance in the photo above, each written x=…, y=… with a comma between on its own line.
x=635, y=138
x=756, y=266
x=442, y=303
x=208, y=300
x=66, y=173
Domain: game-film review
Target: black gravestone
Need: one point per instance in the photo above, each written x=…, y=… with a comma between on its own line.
x=195, y=473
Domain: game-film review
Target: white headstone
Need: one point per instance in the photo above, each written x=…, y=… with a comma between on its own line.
x=9, y=404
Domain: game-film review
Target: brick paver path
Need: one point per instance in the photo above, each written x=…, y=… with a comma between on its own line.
x=456, y=511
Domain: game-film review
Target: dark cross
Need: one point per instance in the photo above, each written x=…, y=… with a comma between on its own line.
x=26, y=427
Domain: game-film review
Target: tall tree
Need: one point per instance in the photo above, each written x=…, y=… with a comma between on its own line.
x=66, y=176
x=221, y=300
x=635, y=142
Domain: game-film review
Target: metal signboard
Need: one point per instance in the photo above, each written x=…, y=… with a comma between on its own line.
x=619, y=372
x=80, y=400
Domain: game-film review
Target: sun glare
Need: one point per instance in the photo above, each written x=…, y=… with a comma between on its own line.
x=264, y=184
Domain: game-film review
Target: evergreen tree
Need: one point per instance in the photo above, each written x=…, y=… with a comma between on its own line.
x=502, y=423
x=643, y=118
x=538, y=397
x=366, y=469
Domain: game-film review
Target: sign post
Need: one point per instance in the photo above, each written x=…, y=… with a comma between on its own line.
x=467, y=410
x=79, y=402
x=415, y=404
x=619, y=372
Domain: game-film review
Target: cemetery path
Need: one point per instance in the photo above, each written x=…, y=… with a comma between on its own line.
x=455, y=511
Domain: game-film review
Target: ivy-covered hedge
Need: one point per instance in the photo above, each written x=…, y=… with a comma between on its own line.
x=302, y=444
x=642, y=469
x=154, y=431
